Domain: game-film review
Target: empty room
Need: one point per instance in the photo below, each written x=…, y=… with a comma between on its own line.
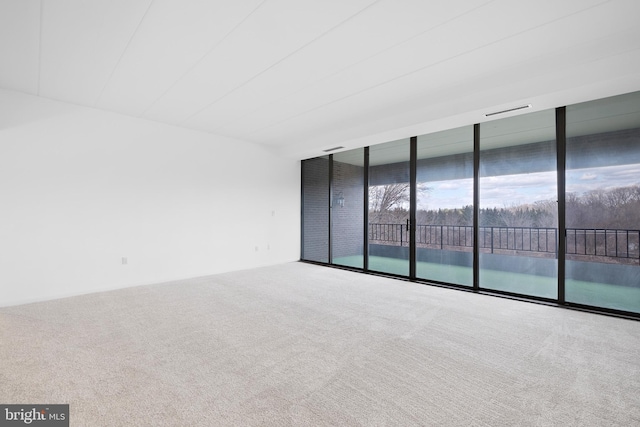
x=310, y=213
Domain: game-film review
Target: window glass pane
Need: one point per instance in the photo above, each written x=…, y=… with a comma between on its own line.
x=389, y=207
x=347, y=235
x=518, y=208
x=444, y=216
x=315, y=209
x=603, y=203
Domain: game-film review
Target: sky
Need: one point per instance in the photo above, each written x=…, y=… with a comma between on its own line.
x=512, y=190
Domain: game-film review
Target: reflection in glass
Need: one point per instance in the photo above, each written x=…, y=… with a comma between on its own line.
x=518, y=209
x=444, y=216
x=315, y=209
x=389, y=207
x=347, y=208
x=603, y=203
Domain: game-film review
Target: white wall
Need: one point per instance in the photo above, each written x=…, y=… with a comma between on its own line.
x=80, y=189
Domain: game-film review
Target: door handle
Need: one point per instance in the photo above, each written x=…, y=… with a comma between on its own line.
x=407, y=225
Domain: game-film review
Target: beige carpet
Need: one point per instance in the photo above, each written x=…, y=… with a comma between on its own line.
x=299, y=344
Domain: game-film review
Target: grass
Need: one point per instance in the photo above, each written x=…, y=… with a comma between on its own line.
x=604, y=295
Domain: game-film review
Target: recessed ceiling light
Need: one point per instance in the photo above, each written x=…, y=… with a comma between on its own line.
x=522, y=107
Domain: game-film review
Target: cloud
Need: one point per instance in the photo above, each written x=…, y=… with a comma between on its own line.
x=510, y=190
x=602, y=178
x=588, y=176
x=451, y=194
x=454, y=184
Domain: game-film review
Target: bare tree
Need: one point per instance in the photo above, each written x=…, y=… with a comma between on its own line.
x=390, y=203
x=383, y=198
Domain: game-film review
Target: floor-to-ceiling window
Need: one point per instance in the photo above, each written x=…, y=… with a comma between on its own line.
x=603, y=203
x=315, y=209
x=518, y=205
x=407, y=207
x=444, y=206
x=388, y=226
x=347, y=206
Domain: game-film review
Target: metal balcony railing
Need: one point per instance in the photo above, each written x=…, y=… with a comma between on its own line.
x=519, y=239
x=536, y=241
x=599, y=242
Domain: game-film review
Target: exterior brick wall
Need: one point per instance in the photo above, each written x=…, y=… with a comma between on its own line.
x=315, y=175
x=348, y=221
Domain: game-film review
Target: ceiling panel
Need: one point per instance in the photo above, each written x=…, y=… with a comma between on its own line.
x=82, y=42
x=511, y=64
x=302, y=75
x=168, y=44
x=419, y=55
x=547, y=90
x=271, y=34
x=383, y=26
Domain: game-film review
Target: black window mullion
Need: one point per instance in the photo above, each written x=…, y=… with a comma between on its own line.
x=476, y=200
x=330, y=210
x=365, y=210
x=561, y=158
x=413, y=154
x=302, y=209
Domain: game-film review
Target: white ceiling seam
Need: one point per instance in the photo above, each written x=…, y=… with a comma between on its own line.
x=268, y=37
x=281, y=60
x=170, y=47
x=399, y=77
x=124, y=51
x=317, y=106
x=238, y=25
x=345, y=68
x=358, y=75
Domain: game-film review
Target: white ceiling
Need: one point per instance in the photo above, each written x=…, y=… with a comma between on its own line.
x=304, y=75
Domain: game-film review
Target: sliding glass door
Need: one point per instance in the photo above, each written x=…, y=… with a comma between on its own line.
x=389, y=191
x=347, y=222
x=444, y=207
x=518, y=213
x=603, y=203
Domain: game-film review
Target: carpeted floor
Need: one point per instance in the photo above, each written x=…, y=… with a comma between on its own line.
x=299, y=344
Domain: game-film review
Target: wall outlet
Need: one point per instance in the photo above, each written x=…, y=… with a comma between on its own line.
x=125, y=261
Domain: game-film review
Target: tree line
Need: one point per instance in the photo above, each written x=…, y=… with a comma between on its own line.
x=615, y=208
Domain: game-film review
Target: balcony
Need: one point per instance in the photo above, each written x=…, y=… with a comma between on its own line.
x=593, y=245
